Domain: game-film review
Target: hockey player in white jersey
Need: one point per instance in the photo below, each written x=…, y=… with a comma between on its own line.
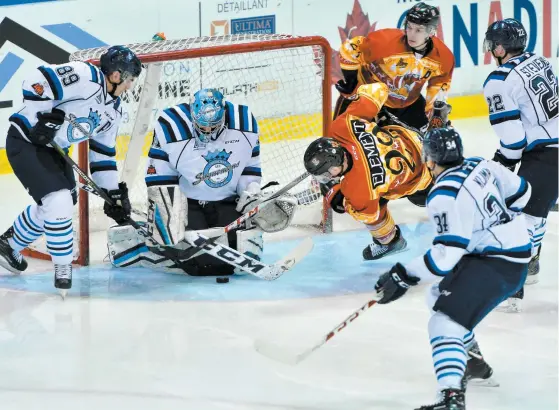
x=522, y=98
x=207, y=154
x=56, y=98
x=481, y=252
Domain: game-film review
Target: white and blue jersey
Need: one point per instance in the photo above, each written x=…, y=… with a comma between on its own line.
x=79, y=89
x=522, y=99
x=210, y=171
x=476, y=209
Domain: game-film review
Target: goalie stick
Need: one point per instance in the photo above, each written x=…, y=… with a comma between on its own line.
x=243, y=218
x=207, y=245
x=283, y=355
x=247, y=263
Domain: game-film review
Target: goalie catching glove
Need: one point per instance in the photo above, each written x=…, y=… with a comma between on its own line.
x=274, y=216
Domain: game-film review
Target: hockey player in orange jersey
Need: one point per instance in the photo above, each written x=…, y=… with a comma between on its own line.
x=405, y=61
x=362, y=166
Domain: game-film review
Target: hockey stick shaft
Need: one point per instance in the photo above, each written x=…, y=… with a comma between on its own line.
x=243, y=218
x=104, y=196
x=272, y=352
x=90, y=190
x=237, y=222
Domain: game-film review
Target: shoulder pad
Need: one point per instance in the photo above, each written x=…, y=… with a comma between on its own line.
x=239, y=117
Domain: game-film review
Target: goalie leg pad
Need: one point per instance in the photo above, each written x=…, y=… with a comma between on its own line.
x=125, y=246
x=167, y=214
x=251, y=243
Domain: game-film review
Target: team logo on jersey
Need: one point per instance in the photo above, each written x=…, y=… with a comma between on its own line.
x=38, y=88
x=80, y=126
x=218, y=171
x=151, y=170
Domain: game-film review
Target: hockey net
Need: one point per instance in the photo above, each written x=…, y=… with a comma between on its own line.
x=283, y=79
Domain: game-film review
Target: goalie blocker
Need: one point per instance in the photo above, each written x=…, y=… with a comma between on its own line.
x=175, y=220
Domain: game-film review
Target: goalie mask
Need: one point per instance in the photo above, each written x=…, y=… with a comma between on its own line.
x=208, y=114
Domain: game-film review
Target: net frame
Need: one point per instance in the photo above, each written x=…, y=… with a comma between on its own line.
x=199, y=47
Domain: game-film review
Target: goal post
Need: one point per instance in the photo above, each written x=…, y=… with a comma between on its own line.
x=285, y=81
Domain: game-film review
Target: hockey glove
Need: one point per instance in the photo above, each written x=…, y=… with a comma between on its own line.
x=120, y=212
x=392, y=285
x=347, y=85
x=439, y=118
x=504, y=161
x=48, y=124
x=333, y=194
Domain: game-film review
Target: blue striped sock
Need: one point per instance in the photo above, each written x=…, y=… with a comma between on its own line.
x=469, y=340
x=449, y=360
x=60, y=240
x=27, y=228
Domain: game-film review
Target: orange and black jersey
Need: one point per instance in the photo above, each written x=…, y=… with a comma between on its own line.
x=384, y=56
x=386, y=161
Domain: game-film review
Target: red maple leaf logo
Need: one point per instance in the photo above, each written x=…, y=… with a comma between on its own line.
x=357, y=24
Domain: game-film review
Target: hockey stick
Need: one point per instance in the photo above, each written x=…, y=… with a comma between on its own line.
x=99, y=192
x=247, y=263
x=243, y=218
x=402, y=124
x=225, y=253
x=90, y=190
x=280, y=354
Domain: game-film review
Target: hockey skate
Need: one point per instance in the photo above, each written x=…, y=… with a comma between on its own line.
x=533, y=269
x=478, y=372
x=63, y=278
x=376, y=250
x=512, y=304
x=11, y=259
x=450, y=399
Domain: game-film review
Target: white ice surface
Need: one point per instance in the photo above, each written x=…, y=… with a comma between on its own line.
x=141, y=340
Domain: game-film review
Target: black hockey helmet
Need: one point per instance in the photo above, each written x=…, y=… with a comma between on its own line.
x=508, y=33
x=322, y=154
x=443, y=146
x=424, y=15
x=121, y=59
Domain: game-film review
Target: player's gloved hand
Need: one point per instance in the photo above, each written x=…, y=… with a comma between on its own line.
x=506, y=162
x=332, y=192
x=249, y=197
x=347, y=85
x=48, y=124
x=439, y=118
x=393, y=284
x=120, y=211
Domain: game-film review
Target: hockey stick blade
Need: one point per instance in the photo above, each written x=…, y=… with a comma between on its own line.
x=293, y=258
x=281, y=354
x=241, y=261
